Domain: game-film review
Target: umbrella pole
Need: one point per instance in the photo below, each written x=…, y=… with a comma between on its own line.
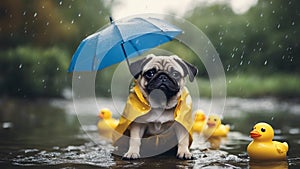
x=127, y=60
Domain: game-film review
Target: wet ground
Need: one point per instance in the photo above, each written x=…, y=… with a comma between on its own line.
x=47, y=134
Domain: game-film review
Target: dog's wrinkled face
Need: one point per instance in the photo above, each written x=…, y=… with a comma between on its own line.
x=162, y=78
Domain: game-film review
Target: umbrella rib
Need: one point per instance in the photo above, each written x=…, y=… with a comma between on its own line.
x=134, y=47
x=118, y=30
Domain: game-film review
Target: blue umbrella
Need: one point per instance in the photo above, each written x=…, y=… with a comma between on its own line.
x=119, y=41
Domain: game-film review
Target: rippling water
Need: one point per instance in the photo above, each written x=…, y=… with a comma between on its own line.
x=37, y=134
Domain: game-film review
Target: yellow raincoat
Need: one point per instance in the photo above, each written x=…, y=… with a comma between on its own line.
x=137, y=106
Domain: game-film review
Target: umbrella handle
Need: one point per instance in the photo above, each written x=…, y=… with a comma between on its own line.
x=111, y=19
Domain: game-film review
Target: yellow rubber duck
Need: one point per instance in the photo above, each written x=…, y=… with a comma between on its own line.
x=214, y=128
x=262, y=147
x=106, y=124
x=199, y=121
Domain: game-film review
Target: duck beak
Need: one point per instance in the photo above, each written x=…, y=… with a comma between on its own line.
x=211, y=124
x=100, y=115
x=254, y=134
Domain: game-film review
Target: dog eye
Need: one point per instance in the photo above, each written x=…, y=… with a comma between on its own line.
x=175, y=75
x=150, y=73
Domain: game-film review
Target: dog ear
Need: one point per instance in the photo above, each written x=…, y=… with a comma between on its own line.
x=188, y=68
x=136, y=67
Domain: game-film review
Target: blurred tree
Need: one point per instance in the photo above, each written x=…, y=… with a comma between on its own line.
x=265, y=39
x=47, y=23
x=37, y=39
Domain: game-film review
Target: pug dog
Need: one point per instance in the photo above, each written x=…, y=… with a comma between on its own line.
x=161, y=81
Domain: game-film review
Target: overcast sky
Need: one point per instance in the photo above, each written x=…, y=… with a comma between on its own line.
x=123, y=8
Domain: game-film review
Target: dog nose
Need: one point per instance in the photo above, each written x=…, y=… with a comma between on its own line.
x=163, y=78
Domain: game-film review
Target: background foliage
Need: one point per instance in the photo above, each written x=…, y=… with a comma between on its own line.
x=259, y=49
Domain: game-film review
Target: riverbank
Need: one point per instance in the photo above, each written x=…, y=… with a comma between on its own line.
x=256, y=86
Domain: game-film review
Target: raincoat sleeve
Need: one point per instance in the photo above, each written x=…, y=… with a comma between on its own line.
x=183, y=112
x=135, y=107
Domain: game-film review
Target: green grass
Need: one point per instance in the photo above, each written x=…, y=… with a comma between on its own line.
x=243, y=85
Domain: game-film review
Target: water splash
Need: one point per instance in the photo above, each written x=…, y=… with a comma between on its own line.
x=87, y=154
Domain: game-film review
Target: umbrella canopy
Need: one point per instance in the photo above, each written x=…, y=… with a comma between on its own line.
x=119, y=41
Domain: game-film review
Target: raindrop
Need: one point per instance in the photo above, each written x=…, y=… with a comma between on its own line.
x=79, y=77
x=248, y=24
x=35, y=14
x=241, y=63
x=60, y=21
x=242, y=41
x=232, y=56
x=266, y=62
x=24, y=13
x=60, y=3
x=293, y=23
x=249, y=62
x=79, y=15
x=7, y=125
x=261, y=15
x=43, y=6
x=47, y=23
x=229, y=81
x=70, y=6
x=273, y=11
x=72, y=21
x=272, y=118
x=278, y=26
x=286, y=36
x=45, y=87
x=228, y=68
x=43, y=80
x=57, y=68
x=20, y=66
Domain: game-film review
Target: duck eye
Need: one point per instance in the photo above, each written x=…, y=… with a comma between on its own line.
x=263, y=129
x=215, y=119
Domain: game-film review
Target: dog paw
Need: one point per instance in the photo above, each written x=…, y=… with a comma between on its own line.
x=185, y=155
x=131, y=156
